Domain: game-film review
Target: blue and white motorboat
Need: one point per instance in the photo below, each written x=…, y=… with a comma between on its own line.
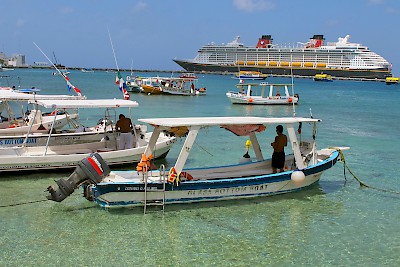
x=251, y=177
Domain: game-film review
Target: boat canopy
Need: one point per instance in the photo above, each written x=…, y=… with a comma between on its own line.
x=215, y=121
x=86, y=103
x=11, y=95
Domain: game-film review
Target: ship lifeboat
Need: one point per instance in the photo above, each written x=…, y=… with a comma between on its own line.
x=239, y=63
x=250, y=63
x=273, y=63
x=262, y=63
x=321, y=65
x=284, y=64
x=308, y=64
x=296, y=64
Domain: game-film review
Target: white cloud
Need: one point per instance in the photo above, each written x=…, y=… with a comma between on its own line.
x=253, y=5
x=140, y=6
x=20, y=23
x=66, y=10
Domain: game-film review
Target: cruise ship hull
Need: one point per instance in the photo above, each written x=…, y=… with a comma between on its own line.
x=339, y=73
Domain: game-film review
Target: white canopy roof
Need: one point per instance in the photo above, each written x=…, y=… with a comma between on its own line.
x=11, y=95
x=86, y=103
x=215, y=121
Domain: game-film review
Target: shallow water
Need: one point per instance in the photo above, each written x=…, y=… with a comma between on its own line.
x=334, y=223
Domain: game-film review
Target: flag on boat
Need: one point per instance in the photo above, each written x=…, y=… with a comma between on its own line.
x=71, y=86
x=118, y=77
x=123, y=88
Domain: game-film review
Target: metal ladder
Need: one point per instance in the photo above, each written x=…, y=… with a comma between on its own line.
x=157, y=202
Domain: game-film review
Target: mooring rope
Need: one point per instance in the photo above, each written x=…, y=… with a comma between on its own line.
x=345, y=166
x=23, y=203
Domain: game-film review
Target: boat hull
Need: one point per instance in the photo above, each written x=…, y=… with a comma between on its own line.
x=151, y=90
x=309, y=72
x=39, y=139
x=117, y=194
x=237, y=98
x=68, y=156
x=43, y=127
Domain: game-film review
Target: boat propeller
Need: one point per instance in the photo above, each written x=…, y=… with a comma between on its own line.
x=92, y=169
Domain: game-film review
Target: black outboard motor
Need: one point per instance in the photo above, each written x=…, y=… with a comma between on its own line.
x=92, y=169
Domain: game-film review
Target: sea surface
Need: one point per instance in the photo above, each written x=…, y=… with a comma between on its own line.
x=334, y=223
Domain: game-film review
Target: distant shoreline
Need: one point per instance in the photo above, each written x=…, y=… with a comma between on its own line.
x=183, y=71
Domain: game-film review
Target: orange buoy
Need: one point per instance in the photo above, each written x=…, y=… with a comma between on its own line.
x=250, y=100
x=290, y=100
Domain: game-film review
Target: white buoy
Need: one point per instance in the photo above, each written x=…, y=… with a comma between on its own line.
x=298, y=177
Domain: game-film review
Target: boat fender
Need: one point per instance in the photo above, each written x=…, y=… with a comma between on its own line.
x=250, y=100
x=290, y=100
x=297, y=176
x=92, y=169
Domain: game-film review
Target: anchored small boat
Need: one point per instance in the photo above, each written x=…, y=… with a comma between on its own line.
x=250, y=75
x=392, y=80
x=323, y=77
x=263, y=94
x=151, y=86
x=181, y=86
x=57, y=156
x=251, y=177
x=30, y=120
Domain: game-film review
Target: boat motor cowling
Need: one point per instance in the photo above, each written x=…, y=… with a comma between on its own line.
x=93, y=169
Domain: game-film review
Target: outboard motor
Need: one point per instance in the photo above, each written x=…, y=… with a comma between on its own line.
x=92, y=169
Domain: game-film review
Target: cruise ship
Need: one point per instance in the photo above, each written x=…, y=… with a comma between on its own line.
x=340, y=59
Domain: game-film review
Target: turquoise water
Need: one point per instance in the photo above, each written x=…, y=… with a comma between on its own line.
x=334, y=223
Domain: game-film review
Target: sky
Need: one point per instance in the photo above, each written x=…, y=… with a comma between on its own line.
x=149, y=34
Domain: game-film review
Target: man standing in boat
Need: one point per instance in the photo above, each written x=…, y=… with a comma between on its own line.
x=278, y=157
x=125, y=127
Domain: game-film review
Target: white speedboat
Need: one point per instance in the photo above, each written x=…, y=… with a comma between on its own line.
x=32, y=120
x=251, y=177
x=66, y=156
x=263, y=94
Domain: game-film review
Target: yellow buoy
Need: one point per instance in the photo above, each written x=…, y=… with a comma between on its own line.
x=248, y=144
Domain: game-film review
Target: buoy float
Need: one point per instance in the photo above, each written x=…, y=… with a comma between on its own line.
x=298, y=177
x=250, y=100
x=248, y=144
x=290, y=100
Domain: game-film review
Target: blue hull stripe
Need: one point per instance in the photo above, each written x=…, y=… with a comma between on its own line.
x=104, y=188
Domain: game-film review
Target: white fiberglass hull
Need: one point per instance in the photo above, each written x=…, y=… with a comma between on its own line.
x=237, y=98
x=67, y=156
x=43, y=127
